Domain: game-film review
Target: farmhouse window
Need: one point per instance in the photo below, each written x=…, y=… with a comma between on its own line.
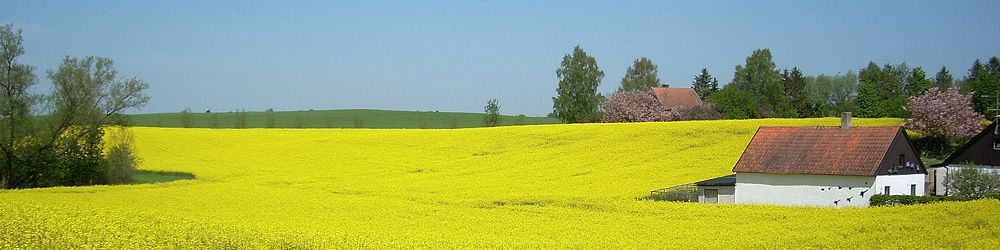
x=913, y=189
x=996, y=143
x=886, y=190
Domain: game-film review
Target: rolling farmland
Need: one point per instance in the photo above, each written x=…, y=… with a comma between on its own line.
x=569, y=186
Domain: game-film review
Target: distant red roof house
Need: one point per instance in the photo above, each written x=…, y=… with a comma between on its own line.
x=857, y=151
x=677, y=98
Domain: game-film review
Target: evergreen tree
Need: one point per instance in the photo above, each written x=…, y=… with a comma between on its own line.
x=640, y=76
x=943, y=80
x=794, y=84
x=705, y=85
x=869, y=98
x=984, y=82
x=577, y=97
x=917, y=82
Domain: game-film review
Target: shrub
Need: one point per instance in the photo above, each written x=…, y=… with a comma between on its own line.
x=636, y=106
x=706, y=111
x=972, y=182
x=891, y=200
x=120, y=162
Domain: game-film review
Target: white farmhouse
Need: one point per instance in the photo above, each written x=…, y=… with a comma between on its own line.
x=827, y=166
x=982, y=152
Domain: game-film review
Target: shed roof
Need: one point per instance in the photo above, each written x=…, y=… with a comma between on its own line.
x=856, y=151
x=729, y=180
x=674, y=98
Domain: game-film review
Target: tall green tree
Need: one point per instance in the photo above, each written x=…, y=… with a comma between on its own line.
x=881, y=92
x=704, y=84
x=760, y=78
x=984, y=82
x=640, y=76
x=831, y=95
x=917, y=82
x=943, y=80
x=576, y=96
x=794, y=85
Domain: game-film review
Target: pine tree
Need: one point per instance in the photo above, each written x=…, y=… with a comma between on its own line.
x=943, y=80
x=917, y=82
x=869, y=100
x=794, y=84
x=705, y=85
x=984, y=81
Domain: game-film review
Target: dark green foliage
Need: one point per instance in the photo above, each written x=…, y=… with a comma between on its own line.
x=760, y=80
x=917, y=82
x=984, y=81
x=831, y=95
x=62, y=143
x=705, y=85
x=491, y=113
x=794, y=84
x=880, y=91
x=893, y=200
x=943, y=79
x=735, y=103
x=148, y=176
x=640, y=76
x=519, y=119
x=576, y=96
x=299, y=123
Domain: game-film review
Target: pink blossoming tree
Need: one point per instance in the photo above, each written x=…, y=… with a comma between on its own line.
x=944, y=115
x=636, y=106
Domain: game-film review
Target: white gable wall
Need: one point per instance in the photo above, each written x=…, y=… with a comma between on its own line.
x=899, y=184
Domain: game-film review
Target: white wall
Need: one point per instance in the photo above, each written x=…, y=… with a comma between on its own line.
x=727, y=194
x=803, y=190
x=937, y=176
x=899, y=184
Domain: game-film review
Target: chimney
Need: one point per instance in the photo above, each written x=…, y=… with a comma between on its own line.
x=845, y=120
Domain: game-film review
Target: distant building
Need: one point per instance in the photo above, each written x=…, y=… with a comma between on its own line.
x=677, y=98
x=822, y=166
x=982, y=151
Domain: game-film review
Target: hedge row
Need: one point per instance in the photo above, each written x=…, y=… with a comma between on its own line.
x=889, y=200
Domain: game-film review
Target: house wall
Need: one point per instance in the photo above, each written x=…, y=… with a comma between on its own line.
x=727, y=194
x=937, y=177
x=803, y=189
x=899, y=184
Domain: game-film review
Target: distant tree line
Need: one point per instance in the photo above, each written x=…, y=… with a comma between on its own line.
x=59, y=138
x=759, y=89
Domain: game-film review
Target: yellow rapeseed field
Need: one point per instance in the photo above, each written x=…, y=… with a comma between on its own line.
x=549, y=186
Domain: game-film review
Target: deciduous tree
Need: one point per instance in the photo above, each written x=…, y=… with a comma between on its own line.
x=576, y=95
x=491, y=113
x=640, y=76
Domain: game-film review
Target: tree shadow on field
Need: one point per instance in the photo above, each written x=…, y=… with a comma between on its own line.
x=150, y=176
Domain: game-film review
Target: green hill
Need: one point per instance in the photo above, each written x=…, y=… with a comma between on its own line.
x=343, y=118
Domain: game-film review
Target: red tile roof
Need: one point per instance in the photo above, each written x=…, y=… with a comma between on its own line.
x=674, y=98
x=857, y=151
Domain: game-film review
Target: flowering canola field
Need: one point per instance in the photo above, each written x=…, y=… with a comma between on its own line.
x=565, y=186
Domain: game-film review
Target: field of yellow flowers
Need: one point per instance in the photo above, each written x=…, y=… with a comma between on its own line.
x=572, y=186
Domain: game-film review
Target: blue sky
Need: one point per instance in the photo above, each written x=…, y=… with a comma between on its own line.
x=455, y=55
